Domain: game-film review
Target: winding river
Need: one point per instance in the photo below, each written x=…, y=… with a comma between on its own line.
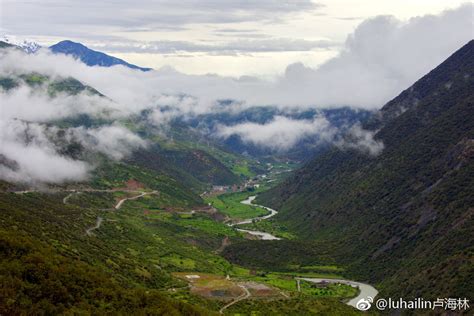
x=365, y=290
x=261, y=235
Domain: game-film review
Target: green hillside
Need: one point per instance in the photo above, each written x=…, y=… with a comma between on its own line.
x=402, y=219
x=35, y=279
x=69, y=85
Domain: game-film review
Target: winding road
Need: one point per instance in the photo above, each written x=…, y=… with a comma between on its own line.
x=117, y=206
x=67, y=197
x=238, y=299
x=366, y=290
x=96, y=226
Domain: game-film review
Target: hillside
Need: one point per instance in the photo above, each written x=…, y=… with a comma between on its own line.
x=70, y=86
x=403, y=219
x=37, y=280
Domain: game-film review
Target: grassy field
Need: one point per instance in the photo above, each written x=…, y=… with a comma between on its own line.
x=203, y=223
x=332, y=290
x=230, y=205
x=242, y=169
x=287, y=282
x=270, y=226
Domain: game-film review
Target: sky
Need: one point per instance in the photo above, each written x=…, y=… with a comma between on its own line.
x=228, y=38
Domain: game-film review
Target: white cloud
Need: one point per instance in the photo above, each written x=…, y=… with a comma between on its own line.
x=362, y=140
x=142, y=14
x=190, y=24
x=114, y=141
x=281, y=133
x=26, y=104
x=380, y=59
x=33, y=158
x=30, y=151
x=30, y=154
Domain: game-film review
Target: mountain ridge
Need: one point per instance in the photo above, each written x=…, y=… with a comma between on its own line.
x=89, y=56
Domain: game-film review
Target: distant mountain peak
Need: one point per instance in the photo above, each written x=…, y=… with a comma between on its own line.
x=29, y=47
x=89, y=56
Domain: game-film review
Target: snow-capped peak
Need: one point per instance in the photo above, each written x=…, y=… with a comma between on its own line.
x=28, y=46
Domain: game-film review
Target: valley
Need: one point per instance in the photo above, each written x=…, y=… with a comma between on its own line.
x=120, y=195
x=143, y=243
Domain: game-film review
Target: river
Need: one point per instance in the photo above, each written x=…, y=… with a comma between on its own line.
x=261, y=235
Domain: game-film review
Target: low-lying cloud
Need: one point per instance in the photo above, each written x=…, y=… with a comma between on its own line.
x=114, y=141
x=281, y=133
x=29, y=156
x=36, y=105
x=34, y=152
x=361, y=140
